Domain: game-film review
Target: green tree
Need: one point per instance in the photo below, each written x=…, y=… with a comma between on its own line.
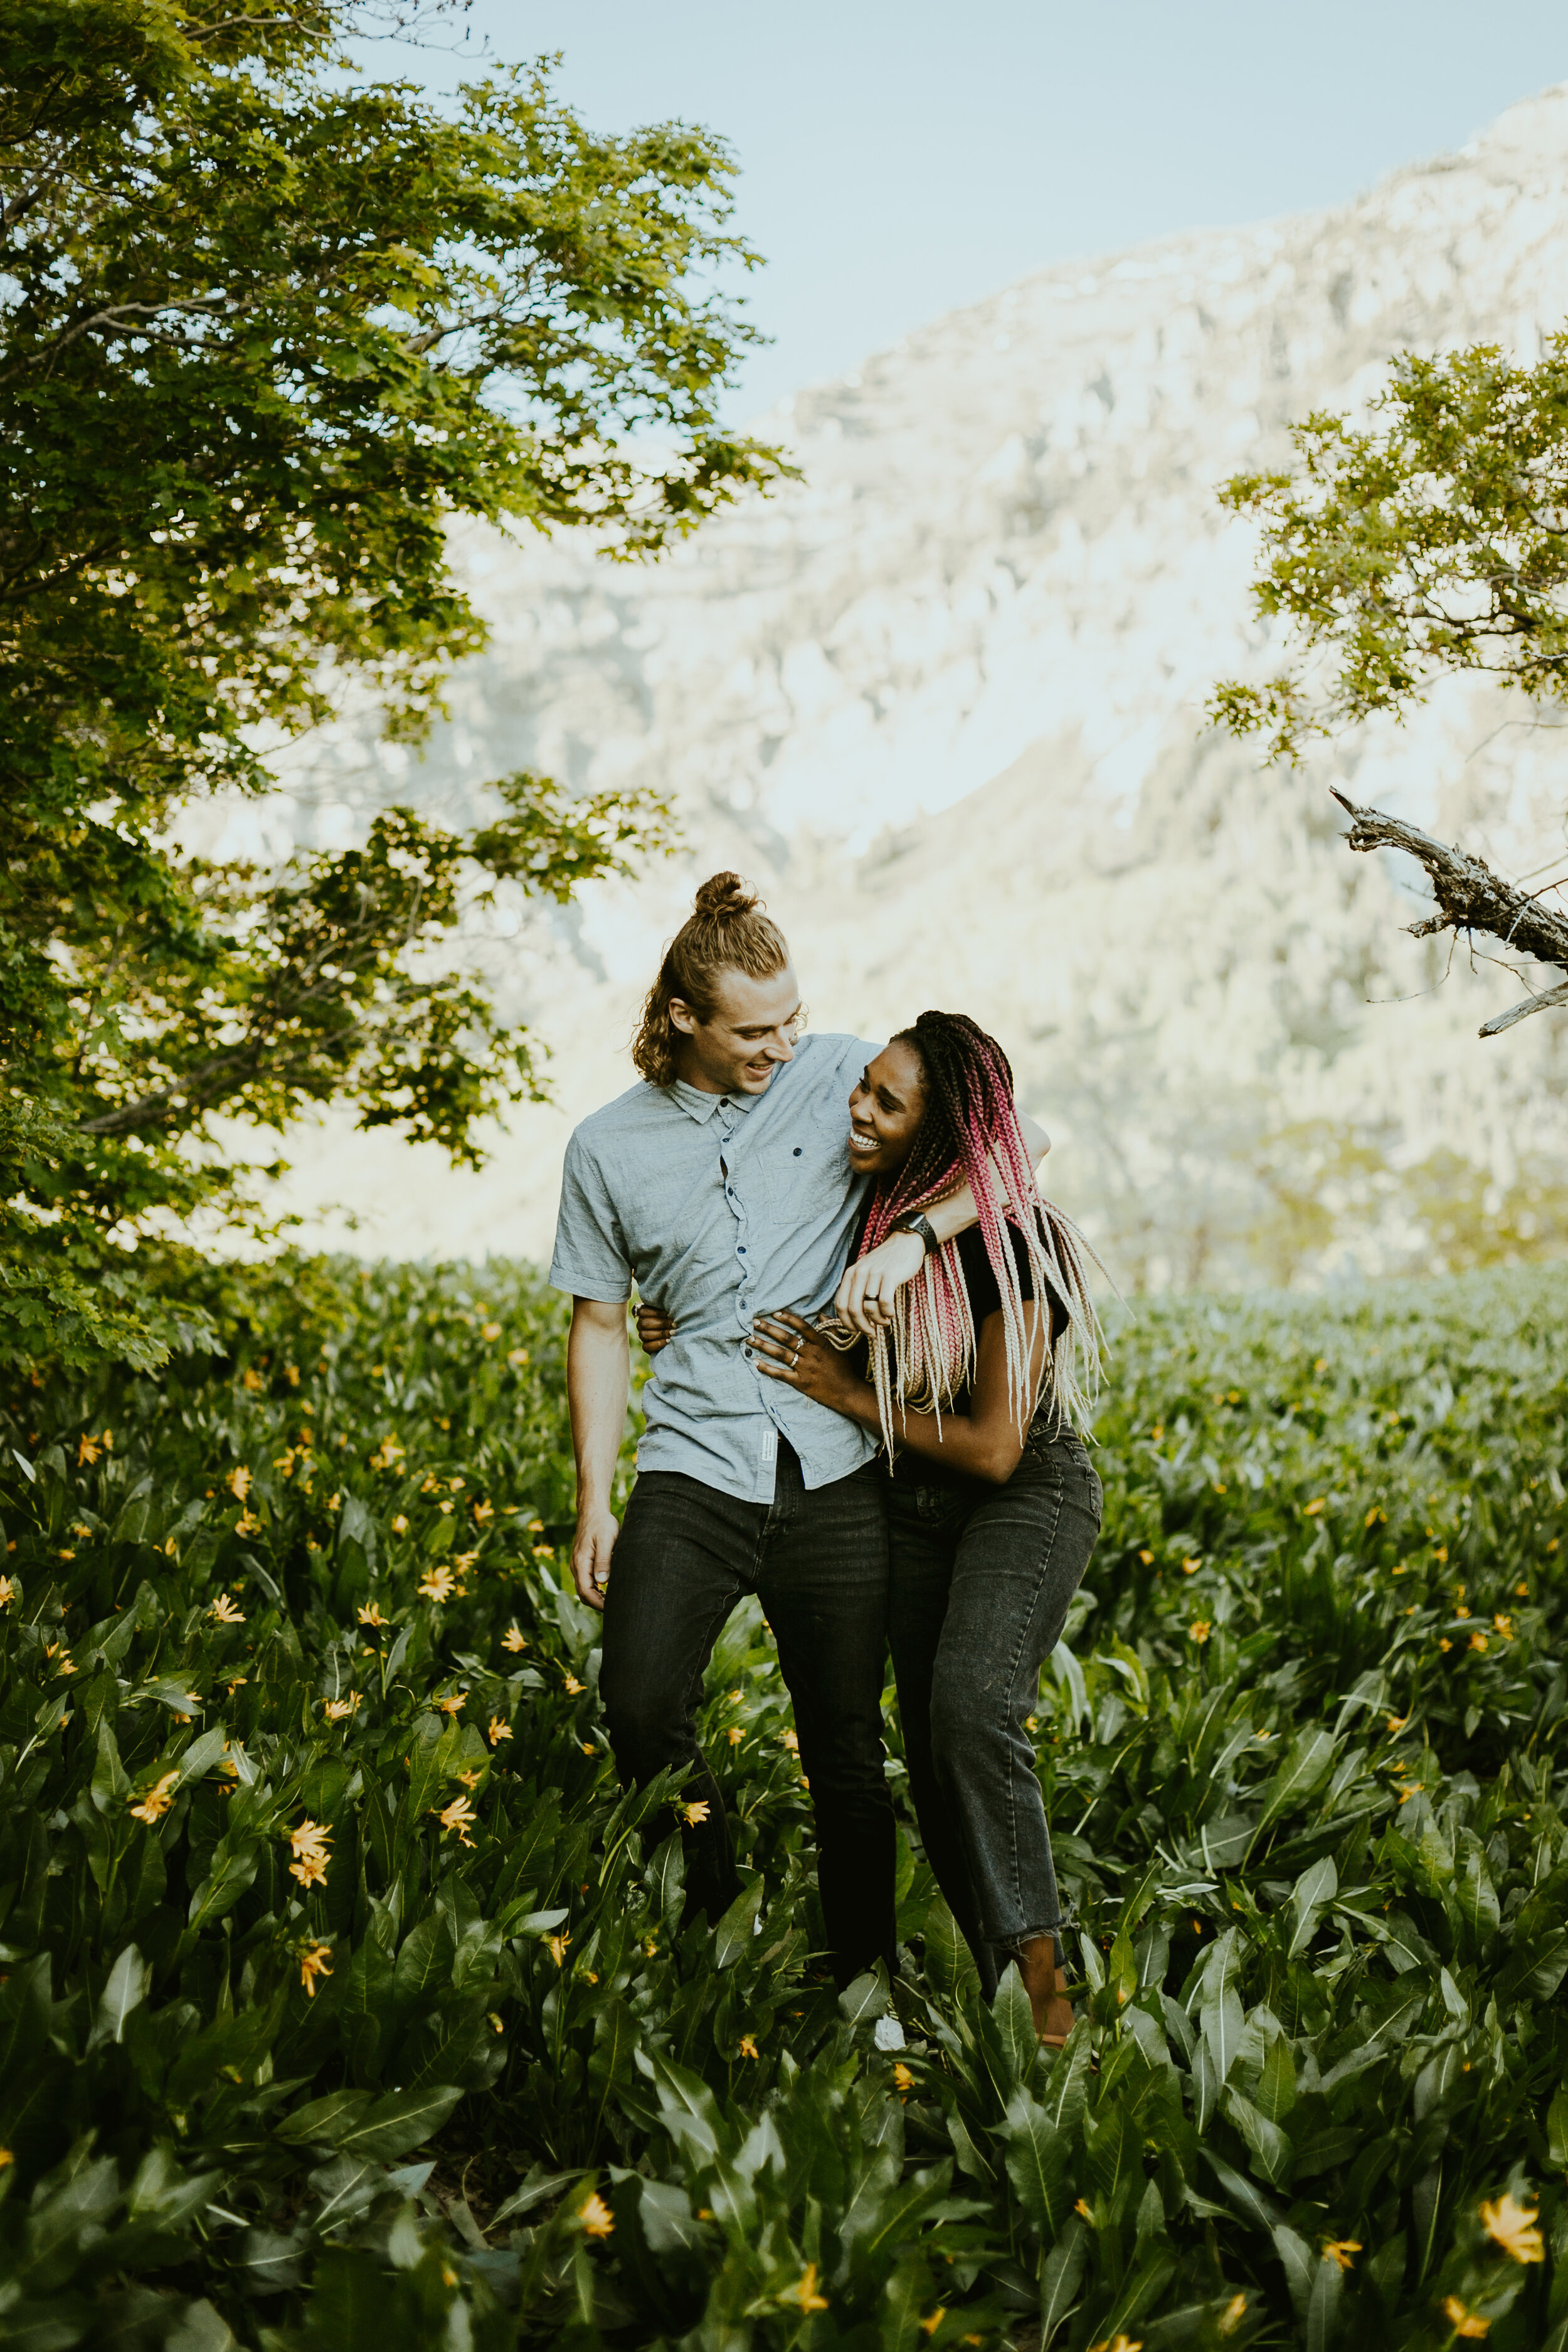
x=266, y=329
x=1431, y=542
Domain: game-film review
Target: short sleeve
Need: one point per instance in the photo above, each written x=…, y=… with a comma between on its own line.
x=590, y=1258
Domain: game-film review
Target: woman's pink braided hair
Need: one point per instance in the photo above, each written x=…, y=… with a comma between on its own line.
x=970, y=1134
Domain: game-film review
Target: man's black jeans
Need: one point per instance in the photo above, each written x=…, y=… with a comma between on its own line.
x=818, y=1563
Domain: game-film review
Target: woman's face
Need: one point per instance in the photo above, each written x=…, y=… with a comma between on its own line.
x=884, y=1110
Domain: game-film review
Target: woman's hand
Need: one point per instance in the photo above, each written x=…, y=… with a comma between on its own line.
x=790, y=1350
x=656, y=1329
x=869, y=1287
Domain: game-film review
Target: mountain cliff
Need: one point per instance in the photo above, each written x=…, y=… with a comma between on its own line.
x=943, y=701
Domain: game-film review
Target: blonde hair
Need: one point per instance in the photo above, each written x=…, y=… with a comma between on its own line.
x=728, y=930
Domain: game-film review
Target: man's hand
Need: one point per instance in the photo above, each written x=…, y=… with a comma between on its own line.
x=598, y=1372
x=867, y=1293
x=591, y=1548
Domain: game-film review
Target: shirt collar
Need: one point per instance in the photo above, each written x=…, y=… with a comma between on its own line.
x=700, y=1106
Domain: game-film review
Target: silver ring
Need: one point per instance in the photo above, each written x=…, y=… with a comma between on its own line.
x=795, y=1357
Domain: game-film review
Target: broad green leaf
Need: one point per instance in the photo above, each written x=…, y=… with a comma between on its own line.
x=325, y=2119
x=1322, y=2307
x=399, y=2122
x=125, y=1989
x=1276, y=2093
x=735, y=1931
x=1061, y=2272
x=1304, y=1768
x=1015, y=2025
x=424, y=1962
x=1037, y=2162
x=1309, y=1898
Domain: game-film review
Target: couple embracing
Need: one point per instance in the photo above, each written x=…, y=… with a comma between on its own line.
x=906, y=1468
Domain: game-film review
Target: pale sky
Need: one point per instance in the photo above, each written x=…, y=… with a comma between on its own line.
x=898, y=161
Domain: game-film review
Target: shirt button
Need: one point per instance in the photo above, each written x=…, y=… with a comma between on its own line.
x=743, y=1249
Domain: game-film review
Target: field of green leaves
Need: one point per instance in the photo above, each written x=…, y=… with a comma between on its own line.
x=345, y=2004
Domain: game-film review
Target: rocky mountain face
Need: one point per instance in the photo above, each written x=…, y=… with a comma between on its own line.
x=943, y=701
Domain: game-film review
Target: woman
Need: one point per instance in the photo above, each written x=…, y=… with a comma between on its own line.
x=993, y=1505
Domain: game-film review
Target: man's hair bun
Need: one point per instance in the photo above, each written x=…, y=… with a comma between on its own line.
x=724, y=897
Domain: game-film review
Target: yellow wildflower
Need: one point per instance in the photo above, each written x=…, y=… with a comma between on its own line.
x=471, y=1777
x=588, y=1747
x=788, y=1740
x=1374, y=1517
x=1513, y=2228
x=66, y=1666
x=157, y=1799
x=499, y=1730
x=399, y=1525
x=338, y=1708
x=804, y=2293
x=736, y=1735
x=68, y=1555
x=1233, y=2314
x=388, y=1453
x=246, y=1524
x=292, y=1374
x=373, y=1616
x=932, y=2321
x=456, y=1486
x=88, y=1451
x=5, y=2158
x=1468, y=2324
x=483, y=1514
x=459, y=1815
x=573, y=1687
x=517, y=1357
x=436, y=1584
x=1191, y=1567
x=556, y=1947
x=1503, y=1624
x=1398, y=1722
x=463, y=1560
x=595, y=2216
x=697, y=1811
x=311, y=1843
x=903, y=2080
x=1312, y=1510
x=314, y=1961
x=1116, y=2343
x=747, y=2046
x=1339, y=2249
x=224, y=1612
x=239, y=1482
x=1198, y=1631
x=9, y=1588
x=514, y=1639
x=1478, y=1642
x=452, y=1702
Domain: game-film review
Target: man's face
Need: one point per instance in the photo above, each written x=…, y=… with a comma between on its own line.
x=749, y=1032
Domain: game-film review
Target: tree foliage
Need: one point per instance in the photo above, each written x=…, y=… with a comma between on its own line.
x=1430, y=542
x=267, y=329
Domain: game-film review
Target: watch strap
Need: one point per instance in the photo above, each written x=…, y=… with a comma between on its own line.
x=914, y=1223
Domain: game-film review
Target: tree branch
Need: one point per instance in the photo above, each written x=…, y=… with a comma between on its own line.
x=1470, y=898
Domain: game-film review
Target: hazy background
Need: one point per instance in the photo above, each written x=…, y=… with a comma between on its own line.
x=897, y=163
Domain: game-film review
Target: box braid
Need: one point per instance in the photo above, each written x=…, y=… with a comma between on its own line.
x=968, y=1133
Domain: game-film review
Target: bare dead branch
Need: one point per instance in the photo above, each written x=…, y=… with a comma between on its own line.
x=1501, y=1020
x=1470, y=898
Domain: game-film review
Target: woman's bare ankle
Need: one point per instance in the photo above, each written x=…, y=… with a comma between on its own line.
x=1044, y=1982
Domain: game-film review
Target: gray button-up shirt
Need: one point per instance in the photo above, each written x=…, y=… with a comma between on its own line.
x=722, y=1207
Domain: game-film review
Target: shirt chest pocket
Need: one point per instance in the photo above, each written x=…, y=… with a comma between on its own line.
x=797, y=1181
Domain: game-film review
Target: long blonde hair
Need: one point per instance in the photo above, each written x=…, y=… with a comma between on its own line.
x=728, y=930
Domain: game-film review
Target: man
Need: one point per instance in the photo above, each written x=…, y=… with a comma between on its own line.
x=723, y=1185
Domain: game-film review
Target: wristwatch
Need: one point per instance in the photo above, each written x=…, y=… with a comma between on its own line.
x=913, y=1222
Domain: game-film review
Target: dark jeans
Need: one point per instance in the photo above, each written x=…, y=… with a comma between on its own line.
x=981, y=1578
x=818, y=1563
